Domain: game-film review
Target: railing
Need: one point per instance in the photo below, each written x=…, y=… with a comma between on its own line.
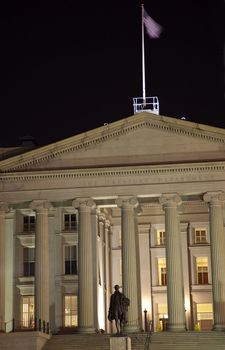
x=149, y=335
x=21, y=326
x=147, y=104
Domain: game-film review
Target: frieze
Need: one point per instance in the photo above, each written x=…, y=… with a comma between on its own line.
x=123, y=175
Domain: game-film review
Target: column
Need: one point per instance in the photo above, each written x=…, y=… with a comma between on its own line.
x=175, y=284
x=6, y=269
x=107, y=272
x=217, y=238
x=184, y=229
x=52, y=271
x=130, y=264
x=85, y=267
x=41, y=264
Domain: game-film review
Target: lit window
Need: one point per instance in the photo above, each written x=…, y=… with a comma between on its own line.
x=204, y=312
x=70, y=222
x=70, y=260
x=27, y=319
x=204, y=317
x=161, y=237
x=70, y=310
x=162, y=271
x=202, y=270
x=200, y=236
x=28, y=261
x=29, y=223
x=162, y=317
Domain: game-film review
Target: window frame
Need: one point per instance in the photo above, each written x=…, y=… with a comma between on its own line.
x=162, y=271
x=72, y=313
x=30, y=225
x=30, y=314
x=30, y=263
x=201, y=239
x=160, y=237
x=73, y=268
x=70, y=224
x=202, y=271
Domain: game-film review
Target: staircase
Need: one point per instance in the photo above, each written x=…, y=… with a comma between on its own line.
x=188, y=340
x=141, y=341
x=78, y=342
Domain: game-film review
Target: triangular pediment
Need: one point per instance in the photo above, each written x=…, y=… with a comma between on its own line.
x=141, y=139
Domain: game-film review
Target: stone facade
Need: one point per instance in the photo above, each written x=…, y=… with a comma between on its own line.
x=139, y=203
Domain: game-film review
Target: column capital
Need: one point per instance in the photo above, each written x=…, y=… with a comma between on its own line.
x=40, y=204
x=127, y=202
x=170, y=200
x=83, y=202
x=214, y=197
x=4, y=207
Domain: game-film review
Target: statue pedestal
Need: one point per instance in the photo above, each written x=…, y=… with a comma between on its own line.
x=120, y=343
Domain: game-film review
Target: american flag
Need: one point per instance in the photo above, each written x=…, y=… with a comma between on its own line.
x=153, y=28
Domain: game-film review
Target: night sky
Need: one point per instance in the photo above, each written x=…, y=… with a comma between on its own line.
x=70, y=66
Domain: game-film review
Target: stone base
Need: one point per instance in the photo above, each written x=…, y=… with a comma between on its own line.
x=219, y=328
x=23, y=340
x=176, y=328
x=131, y=329
x=120, y=343
x=87, y=330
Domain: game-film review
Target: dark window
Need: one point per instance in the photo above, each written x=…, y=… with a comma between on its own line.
x=71, y=260
x=28, y=261
x=70, y=222
x=163, y=276
x=200, y=236
x=203, y=275
x=29, y=223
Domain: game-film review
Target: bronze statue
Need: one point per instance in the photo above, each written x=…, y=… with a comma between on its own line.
x=118, y=309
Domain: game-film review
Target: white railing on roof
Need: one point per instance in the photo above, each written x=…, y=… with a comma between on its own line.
x=147, y=104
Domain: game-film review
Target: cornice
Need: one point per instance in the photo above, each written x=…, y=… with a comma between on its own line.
x=118, y=172
x=110, y=131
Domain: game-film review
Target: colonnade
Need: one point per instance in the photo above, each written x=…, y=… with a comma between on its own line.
x=171, y=204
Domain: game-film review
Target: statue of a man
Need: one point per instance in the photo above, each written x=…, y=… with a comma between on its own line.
x=118, y=308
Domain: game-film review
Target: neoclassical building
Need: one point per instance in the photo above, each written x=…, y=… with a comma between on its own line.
x=139, y=203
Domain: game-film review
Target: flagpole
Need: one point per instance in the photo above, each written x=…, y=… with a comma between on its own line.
x=143, y=57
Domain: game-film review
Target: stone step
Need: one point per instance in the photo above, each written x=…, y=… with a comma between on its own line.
x=78, y=342
x=141, y=341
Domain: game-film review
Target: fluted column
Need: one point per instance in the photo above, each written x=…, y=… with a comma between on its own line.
x=41, y=263
x=129, y=262
x=85, y=267
x=217, y=238
x=2, y=267
x=175, y=284
x=6, y=272
x=52, y=271
x=107, y=272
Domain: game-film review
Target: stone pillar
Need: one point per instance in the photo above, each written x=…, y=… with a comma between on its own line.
x=3, y=207
x=41, y=264
x=52, y=271
x=107, y=273
x=130, y=264
x=95, y=261
x=175, y=283
x=217, y=238
x=184, y=228
x=6, y=269
x=85, y=267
